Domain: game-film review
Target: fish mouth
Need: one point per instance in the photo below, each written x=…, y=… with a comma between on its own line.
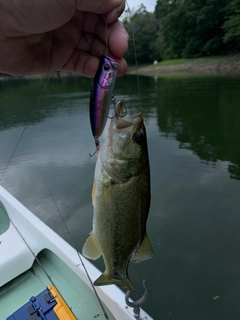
x=124, y=123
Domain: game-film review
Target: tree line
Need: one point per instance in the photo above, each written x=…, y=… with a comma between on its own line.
x=183, y=29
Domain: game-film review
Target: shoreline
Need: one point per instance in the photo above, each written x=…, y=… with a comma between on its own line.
x=53, y=75
x=224, y=65
x=201, y=66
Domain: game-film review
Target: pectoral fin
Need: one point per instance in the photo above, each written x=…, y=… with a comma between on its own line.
x=93, y=193
x=144, y=252
x=107, y=193
x=91, y=249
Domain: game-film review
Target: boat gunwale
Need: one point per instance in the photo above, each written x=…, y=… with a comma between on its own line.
x=42, y=237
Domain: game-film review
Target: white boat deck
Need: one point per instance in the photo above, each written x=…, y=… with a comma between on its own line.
x=21, y=276
x=78, y=296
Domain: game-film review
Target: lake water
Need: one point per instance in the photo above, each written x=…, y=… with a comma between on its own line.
x=193, y=126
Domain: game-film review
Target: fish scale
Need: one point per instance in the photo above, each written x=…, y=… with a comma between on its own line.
x=121, y=200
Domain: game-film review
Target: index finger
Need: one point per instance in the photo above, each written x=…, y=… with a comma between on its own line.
x=113, y=35
x=111, y=8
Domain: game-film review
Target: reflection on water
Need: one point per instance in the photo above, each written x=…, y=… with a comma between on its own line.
x=193, y=139
x=204, y=117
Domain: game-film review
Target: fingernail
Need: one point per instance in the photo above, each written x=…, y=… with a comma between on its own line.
x=113, y=15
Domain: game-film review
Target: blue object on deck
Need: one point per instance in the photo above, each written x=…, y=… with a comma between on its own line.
x=38, y=308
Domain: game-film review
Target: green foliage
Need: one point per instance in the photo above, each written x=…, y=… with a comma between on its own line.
x=184, y=29
x=191, y=28
x=232, y=25
x=142, y=28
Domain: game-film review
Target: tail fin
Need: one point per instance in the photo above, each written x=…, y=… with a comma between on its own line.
x=106, y=279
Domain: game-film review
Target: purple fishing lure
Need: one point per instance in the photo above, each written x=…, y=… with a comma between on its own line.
x=101, y=95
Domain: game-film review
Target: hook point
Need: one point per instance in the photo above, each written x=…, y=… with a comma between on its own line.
x=138, y=303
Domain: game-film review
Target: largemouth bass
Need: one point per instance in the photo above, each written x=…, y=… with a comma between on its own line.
x=121, y=200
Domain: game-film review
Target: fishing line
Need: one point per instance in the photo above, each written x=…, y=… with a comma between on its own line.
x=35, y=257
x=69, y=234
x=30, y=249
x=75, y=247
x=106, y=39
x=1, y=204
x=135, y=55
x=24, y=129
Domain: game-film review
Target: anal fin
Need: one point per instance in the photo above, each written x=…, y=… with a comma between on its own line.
x=144, y=252
x=90, y=248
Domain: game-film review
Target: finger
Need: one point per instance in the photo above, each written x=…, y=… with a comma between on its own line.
x=118, y=39
x=20, y=18
x=87, y=65
x=99, y=6
x=123, y=65
x=115, y=13
x=82, y=63
x=117, y=43
x=114, y=35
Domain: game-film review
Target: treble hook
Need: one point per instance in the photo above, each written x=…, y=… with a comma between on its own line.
x=137, y=304
x=97, y=144
x=117, y=115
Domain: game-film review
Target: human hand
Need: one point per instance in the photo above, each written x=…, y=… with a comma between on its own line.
x=41, y=36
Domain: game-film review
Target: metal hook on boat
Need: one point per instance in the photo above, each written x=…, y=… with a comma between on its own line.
x=138, y=303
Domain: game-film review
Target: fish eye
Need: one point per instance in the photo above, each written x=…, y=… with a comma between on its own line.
x=137, y=137
x=106, y=67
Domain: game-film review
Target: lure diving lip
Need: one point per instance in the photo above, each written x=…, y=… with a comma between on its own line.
x=101, y=94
